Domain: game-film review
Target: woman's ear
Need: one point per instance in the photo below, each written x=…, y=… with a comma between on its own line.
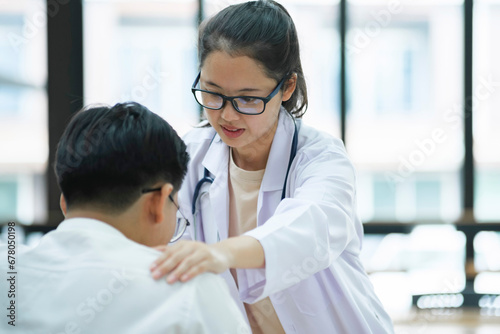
x=62, y=204
x=290, y=86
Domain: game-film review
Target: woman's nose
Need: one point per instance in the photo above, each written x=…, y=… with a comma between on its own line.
x=228, y=113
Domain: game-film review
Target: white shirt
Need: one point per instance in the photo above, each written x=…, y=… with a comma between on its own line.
x=244, y=188
x=311, y=239
x=87, y=277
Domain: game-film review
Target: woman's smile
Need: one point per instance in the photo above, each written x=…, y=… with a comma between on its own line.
x=231, y=131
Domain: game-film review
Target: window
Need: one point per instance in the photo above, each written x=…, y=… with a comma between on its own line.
x=143, y=51
x=485, y=101
x=405, y=83
x=384, y=200
x=428, y=198
x=8, y=199
x=23, y=110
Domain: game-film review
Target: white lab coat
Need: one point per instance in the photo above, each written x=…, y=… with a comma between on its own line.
x=311, y=239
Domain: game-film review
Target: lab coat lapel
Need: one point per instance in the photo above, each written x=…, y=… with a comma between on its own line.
x=277, y=164
x=216, y=161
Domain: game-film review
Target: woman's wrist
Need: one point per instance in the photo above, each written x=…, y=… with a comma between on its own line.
x=224, y=253
x=242, y=252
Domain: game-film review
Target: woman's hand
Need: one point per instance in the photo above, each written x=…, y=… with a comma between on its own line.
x=187, y=259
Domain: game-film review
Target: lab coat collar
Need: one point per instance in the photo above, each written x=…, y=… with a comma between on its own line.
x=277, y=163
x=216, y=162
x=216, y=158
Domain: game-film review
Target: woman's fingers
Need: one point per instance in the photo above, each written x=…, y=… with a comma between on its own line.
x=187, y=259
x=205, y=259
x=169, y=259
x=197, y=259
x=164, y=256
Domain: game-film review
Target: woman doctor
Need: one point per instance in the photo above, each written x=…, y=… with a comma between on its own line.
x=291, y=263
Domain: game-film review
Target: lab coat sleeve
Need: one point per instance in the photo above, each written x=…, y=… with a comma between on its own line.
x=310, y=229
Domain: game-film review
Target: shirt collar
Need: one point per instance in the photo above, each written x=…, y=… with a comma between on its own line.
x=89, y=224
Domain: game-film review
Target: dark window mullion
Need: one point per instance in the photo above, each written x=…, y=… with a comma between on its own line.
x=343, y=77
x=65, y=83
x=468, y=167
x=200, y=15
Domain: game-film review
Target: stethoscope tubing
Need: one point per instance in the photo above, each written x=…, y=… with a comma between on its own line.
x=206, y=178
x=209, y=179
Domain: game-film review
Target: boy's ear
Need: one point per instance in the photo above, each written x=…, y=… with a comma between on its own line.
x=62, y=204
x=157, y=202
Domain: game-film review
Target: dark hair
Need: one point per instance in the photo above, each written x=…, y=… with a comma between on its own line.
x=263, y=31
x=107, y=155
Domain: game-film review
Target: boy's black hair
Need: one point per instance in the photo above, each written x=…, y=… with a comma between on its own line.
x=107, y=155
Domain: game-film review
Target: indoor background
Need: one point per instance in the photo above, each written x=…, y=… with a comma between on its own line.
x=411, y=86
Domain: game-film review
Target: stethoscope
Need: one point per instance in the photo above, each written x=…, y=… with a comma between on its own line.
x=209, y=179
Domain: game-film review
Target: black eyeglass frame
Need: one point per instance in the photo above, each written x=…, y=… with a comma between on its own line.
x=145, y=191
x=232, y=98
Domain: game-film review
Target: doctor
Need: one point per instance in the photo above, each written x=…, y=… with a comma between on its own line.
x=271, y=202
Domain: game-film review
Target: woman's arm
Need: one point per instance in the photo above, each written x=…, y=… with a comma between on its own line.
x=187, y=259
x=304, y=235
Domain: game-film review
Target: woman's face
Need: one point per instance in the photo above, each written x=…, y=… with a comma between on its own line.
x=241, y=76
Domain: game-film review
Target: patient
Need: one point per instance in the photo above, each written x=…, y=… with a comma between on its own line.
x=119, y=170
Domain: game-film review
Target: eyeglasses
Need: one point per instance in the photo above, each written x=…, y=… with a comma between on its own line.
x=247, y=105
x=182, y=223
